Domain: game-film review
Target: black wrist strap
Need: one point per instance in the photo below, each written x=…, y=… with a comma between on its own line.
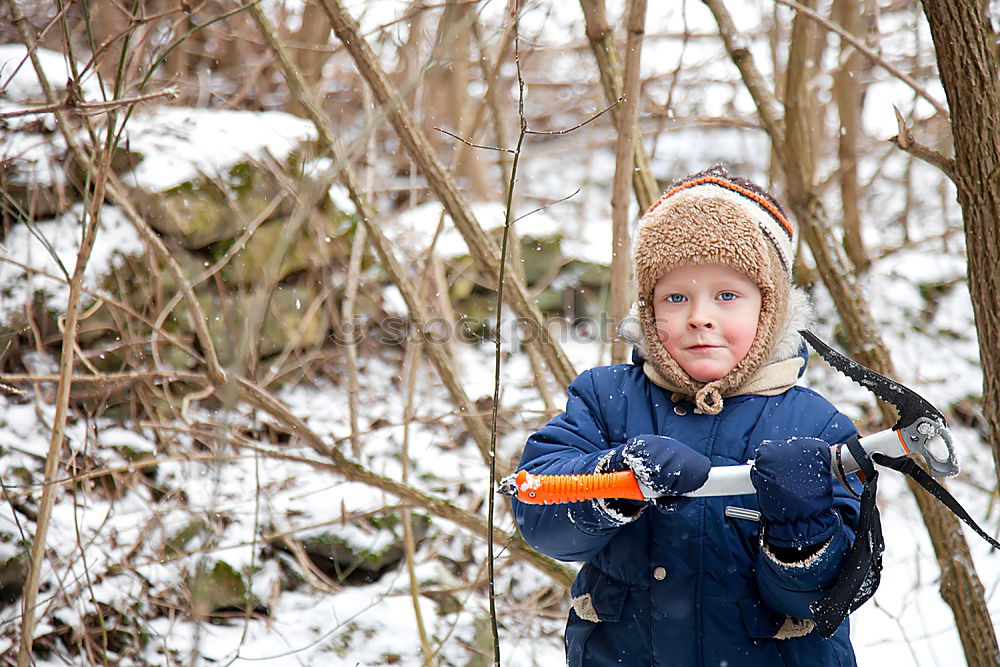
x=838, y=468
x=862, y=567
x=909, y=467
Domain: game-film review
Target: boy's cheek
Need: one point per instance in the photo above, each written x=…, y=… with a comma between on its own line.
x=742, y=342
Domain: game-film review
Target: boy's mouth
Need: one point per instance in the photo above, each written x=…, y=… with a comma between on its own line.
x=703, y=348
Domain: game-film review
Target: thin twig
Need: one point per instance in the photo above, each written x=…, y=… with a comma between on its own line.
x=358, y=245
x=501, y=273
x=86, y=572
x=578, y=125
x=469, y=143
x=412, y=364
x=92, y=107
x=546, y=205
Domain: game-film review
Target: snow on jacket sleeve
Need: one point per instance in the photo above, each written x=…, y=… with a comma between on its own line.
x=789, y=588
x=572, y=443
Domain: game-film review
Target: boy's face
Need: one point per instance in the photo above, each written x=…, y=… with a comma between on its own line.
x=706, y=318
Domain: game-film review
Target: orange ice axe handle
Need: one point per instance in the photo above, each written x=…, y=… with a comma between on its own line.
x=557, y=489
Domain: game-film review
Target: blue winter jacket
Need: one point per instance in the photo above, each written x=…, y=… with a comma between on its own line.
x=688, y=587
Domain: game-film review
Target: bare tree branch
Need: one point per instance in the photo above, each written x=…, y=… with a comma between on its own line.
x=91, y=107
x=905, y=141
x=472, y=145
x=578, y=125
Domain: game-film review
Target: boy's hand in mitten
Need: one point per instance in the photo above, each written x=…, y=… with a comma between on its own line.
x=663, y=464
x=795, y=492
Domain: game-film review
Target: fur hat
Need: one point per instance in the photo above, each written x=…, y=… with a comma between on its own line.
x=713, y=218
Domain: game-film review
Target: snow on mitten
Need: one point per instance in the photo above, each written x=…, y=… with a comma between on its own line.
x=663, y=464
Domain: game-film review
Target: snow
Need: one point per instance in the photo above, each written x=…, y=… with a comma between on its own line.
x=177, y=144
x=51, y=247
x=19, y=82
x=19, y=419
x=165, y=137
x=413, y=230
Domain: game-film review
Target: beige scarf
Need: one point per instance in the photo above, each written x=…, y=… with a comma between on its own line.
x=769, y=380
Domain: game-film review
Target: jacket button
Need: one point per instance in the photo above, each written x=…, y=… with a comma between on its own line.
x=680, y=410
x=660, y=573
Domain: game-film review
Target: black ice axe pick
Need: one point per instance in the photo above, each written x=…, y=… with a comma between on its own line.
x=919, y=425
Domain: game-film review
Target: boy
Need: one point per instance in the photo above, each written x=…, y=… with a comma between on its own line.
x=678, y=581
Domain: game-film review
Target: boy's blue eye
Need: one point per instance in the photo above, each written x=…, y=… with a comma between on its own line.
x=675, y=298
x=727, y=296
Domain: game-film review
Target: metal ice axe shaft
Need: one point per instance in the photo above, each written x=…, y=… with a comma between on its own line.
x=918, y=424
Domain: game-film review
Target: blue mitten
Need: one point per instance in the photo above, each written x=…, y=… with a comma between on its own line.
x=665, y=465
x=795, y=491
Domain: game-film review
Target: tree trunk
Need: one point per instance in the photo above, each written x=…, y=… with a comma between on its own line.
x=847, y=93
x=965, y=43
x=312, y=37
x=628, y=137
x=800, y=106
x=602, y=43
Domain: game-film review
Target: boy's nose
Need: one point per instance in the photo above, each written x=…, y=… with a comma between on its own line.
x=700, y=316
